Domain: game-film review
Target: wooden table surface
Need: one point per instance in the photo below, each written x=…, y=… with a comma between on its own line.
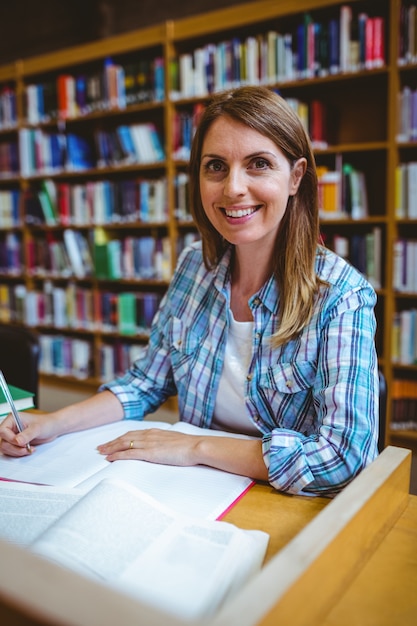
x=279, y=514
x=385, y=591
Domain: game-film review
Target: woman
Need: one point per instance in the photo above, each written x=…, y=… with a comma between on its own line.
x=262, y=331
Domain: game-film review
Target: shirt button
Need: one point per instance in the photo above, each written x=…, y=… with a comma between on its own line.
x=257, y=335
x=249, y=377
x=257, y=302
x=289, y=384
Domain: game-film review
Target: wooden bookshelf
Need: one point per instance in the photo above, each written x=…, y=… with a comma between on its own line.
x=361, y=116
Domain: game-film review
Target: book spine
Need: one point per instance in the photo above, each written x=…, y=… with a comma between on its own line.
x=334, y=46
x=378, y=42
x=345, y=37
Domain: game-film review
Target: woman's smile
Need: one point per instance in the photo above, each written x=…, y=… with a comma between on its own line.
x=237, y=213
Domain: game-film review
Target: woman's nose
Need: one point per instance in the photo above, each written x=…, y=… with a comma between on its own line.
x=235, y=183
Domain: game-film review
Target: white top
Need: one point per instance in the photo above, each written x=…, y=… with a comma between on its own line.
x=230, y=411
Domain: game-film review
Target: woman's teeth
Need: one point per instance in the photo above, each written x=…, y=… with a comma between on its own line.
x=239, y=212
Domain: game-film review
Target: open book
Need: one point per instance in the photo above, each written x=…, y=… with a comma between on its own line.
x=123, y=537
x=73, y=461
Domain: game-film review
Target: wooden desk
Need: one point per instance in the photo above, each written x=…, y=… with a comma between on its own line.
x=351, y=560
x=281, y=516
x=385, y=592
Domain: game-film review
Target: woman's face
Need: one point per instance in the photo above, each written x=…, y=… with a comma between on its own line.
x=245, y=182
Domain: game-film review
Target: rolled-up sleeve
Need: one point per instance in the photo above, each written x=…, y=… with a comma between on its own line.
x=342, y=438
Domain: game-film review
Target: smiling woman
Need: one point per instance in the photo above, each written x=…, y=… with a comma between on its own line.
x=265, y=165
x=262, y=331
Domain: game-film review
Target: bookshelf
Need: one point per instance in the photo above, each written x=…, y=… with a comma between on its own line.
x=351, y=106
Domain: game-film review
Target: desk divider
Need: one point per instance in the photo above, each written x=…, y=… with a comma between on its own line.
x=302, y=582
x=296, y=587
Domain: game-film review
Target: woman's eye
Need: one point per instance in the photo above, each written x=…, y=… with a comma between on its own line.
x=214, y=166
x=260, y=164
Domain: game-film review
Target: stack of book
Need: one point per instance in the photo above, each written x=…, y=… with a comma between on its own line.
x=22, y=400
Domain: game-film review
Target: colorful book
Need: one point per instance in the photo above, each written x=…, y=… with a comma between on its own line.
x=48, y=200
x=22, y=400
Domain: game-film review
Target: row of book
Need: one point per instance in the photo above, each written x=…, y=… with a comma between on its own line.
x=404, y=337
x=342, y=192
x=71, y=306
x=347, y=42
x=116, y=357
x=148, y=258
x=127, y=145
x=407, y=33
x=406, y=190
x=96, y=202
x=127, y=313
x=407, y=114
x=314, y=116
x=8, y=108
x=77, y=307
x=66, y=356
x=61, y=355
x=116, y=85
x=65, y=255
x=139, y=258
x=45, y=153
x=405, y=265
x=404, y=404
x=184, y=125
x=363, y=251
x=72, y=254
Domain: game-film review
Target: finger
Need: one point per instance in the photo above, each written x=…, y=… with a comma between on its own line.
x=125, y=442
x=8, y=427
x=11, y=449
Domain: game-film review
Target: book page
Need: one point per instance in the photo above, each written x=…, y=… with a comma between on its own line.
x=27, y=510
x=122, y=536
x=72, y=460
x=69, y=459
x=198, y=490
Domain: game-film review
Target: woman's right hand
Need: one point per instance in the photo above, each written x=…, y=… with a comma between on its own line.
x=37, y=428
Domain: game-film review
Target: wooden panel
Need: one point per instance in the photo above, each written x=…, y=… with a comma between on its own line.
x=298, y=586
x=8, y=72
x=385, y=591
x=301, y=584
x=234, y=16
x=135, y=40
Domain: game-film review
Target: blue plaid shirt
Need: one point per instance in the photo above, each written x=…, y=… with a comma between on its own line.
x=314, y=399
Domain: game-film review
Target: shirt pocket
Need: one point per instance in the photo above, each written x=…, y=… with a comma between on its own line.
x=293, y=377
x=288, y=389
x=184, y=347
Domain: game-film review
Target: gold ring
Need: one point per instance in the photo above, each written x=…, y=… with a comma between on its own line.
x=131, y=445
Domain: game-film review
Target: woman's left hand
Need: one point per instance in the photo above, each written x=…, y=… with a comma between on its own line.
x=168, y=447
x=154, y=445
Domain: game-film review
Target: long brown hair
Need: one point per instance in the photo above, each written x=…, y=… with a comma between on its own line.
x=263, y=110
